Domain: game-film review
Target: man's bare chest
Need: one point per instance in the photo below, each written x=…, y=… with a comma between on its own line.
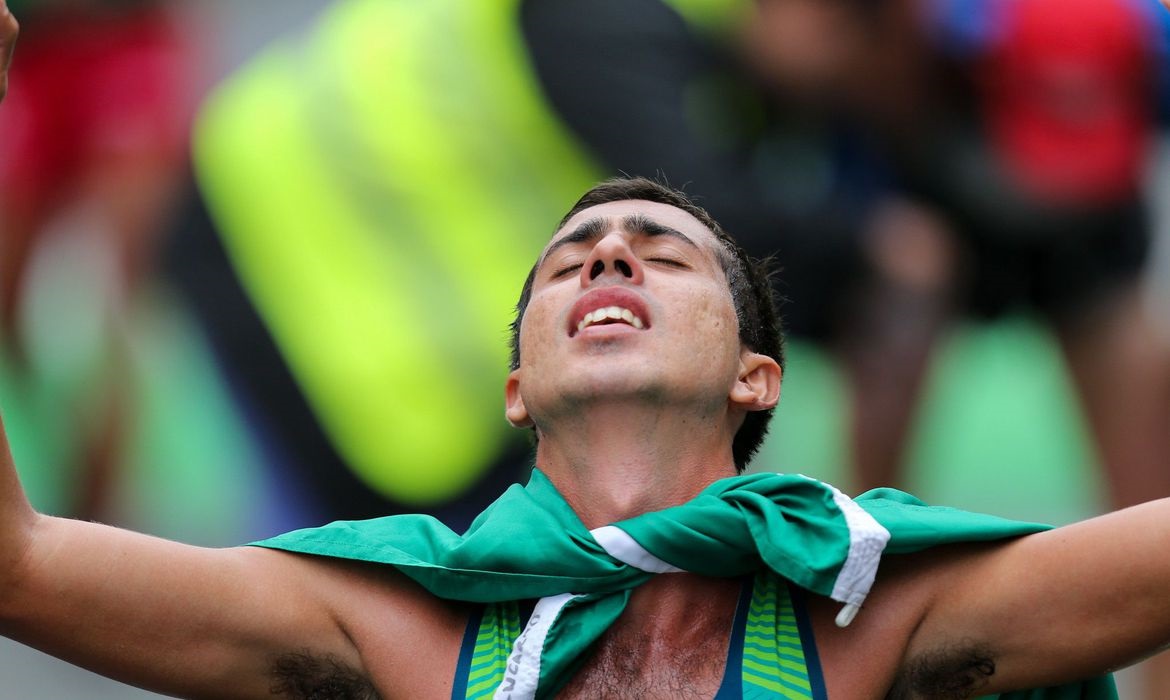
x=630, y=663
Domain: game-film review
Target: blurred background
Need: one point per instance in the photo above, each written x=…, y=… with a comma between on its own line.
x=258, y=259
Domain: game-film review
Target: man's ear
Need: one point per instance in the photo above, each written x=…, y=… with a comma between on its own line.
x=757, y=388
x=514, y=409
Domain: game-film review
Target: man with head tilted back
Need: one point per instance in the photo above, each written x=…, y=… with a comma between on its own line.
x=637, y=562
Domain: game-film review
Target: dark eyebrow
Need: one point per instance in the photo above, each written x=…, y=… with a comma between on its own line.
x=640, y=223
x=587, y=231
x=591, y=229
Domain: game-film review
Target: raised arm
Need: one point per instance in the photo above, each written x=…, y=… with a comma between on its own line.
x=1055, y=606
x=8, y=31
x=151, y=612
x=203, y=622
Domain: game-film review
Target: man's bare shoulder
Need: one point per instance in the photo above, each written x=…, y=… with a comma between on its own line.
x=881, y=654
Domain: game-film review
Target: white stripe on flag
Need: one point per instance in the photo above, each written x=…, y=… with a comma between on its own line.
x=619, y=545
x=867, y=541
x=522, y=672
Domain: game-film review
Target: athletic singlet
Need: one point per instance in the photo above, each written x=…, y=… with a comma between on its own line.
x=771, y=653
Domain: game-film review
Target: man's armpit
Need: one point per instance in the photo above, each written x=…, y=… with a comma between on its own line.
x=949, y=673
x=303, y=675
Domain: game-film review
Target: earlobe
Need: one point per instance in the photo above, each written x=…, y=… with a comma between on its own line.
x=758, y=386
x=514, y=409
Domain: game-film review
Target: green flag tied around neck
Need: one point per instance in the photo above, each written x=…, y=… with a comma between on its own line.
x=530, y=544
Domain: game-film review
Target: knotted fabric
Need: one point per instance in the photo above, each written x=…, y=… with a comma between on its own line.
x=530, y=544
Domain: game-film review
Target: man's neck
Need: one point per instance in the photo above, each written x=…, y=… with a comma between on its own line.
x=614, y=462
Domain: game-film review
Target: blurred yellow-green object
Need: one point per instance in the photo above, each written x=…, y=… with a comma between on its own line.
x=382, y=188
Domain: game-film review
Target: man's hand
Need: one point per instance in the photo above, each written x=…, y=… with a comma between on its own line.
x=8, y=31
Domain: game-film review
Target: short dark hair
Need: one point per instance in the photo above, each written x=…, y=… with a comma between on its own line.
x=747, y=278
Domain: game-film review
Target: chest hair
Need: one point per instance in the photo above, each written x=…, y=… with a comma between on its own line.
x=628, y=663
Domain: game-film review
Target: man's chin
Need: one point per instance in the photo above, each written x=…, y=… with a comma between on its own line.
x=618, y=383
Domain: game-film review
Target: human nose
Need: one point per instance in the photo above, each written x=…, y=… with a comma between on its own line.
x=611, y=255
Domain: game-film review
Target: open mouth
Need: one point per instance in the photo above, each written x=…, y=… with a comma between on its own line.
x=608, y=316
x=611, y=306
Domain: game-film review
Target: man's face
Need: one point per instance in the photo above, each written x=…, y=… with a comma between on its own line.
x=629, y=302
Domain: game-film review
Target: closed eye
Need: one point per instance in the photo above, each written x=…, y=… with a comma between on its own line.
x=567, y=269
x=669, y=262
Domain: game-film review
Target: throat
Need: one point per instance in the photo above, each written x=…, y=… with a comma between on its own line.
x=627, y=455
x=612, y=476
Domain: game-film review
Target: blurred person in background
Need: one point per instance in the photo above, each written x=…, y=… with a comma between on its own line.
x=863, y=65
x=1038, y=163
x=93, y=135
x=1017, y=134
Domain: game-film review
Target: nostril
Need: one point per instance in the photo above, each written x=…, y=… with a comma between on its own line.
x=623, y=267
x=596, y=270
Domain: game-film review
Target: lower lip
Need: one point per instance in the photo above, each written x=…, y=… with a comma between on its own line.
x=607, y=330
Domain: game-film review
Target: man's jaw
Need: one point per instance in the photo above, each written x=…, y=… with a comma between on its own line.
x=609, y=310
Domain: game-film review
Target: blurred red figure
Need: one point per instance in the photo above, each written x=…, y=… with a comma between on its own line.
x=92, y=144
x=1068, y=99
x=1066, y=94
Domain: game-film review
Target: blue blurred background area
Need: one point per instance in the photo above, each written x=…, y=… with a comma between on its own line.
x=258, y=260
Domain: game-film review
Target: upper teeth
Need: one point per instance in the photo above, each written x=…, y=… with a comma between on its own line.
x=616, y=313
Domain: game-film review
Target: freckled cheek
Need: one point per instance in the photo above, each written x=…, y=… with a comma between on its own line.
x=714, y=325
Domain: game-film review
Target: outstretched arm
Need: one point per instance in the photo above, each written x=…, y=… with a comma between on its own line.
x=175, y=618
x=1056, y=606
x=201, y=622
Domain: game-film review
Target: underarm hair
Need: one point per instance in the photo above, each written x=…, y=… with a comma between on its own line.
x=303, y=675
x=951, y=673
